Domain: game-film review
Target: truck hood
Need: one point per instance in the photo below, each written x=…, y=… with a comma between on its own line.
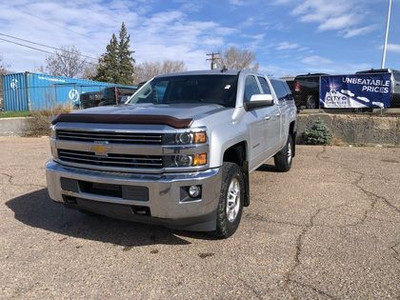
x=174, y=115
x=179, y=111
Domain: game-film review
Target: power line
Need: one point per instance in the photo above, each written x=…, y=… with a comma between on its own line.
x=37, y=49
x=213, y=59
x=43, y=45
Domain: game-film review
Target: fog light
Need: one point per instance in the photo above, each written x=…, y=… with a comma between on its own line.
x=194, y=191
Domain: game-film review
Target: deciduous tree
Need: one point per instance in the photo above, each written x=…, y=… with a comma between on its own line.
x=3, y=67
x=237, y=59
x=67, y=61
x=147, y=70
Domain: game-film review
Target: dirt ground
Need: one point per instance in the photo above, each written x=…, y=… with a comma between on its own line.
x=329, y=228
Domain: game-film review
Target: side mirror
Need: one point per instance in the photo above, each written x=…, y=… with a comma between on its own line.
x=259, y=100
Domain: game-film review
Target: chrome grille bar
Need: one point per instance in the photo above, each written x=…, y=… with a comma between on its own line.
x=111, y=137
x=130, y=161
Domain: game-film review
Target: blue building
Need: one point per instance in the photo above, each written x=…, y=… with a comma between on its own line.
x=32, y=91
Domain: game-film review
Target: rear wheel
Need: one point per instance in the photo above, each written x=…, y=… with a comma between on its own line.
x=283, y=159
x=311, y=102
x=231, y=201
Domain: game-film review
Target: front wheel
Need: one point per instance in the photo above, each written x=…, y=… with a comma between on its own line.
x=283, y=159
x=230, y=205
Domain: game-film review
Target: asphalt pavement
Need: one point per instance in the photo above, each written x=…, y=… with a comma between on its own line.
x=328, y=229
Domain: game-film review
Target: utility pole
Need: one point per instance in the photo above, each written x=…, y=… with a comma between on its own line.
x=213, y=59
x=386, y=34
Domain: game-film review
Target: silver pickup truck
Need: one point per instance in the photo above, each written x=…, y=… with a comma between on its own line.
x=178, y=153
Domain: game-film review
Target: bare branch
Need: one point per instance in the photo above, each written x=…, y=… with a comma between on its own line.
x=233, y=58
x=148, y=70
x=67, y=61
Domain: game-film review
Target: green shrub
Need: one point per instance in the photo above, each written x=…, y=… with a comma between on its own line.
x=39, y=122
x=317, y=134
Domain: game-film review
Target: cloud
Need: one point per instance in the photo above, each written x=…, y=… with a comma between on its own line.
x=316, y=60
x=358, y=31
x=156, y=35
x=393, y=48
x=343, y=16
x=339, y=22
x=237, y=2
x=287, y=46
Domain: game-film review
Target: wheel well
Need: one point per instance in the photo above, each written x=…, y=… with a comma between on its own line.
x=237, y=154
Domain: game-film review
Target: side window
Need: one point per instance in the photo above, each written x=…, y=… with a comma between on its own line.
x=264, y=85
x=280, y=88
x=250, y=88
x=396, y=76
x=289, y=95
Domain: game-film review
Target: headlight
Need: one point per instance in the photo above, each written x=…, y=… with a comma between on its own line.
x=184, y=160
x=185, y=138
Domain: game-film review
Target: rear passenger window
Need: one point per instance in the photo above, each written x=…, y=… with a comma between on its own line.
x=280, y=88
x=289, y=95
x=264, y=85
x=250, y=88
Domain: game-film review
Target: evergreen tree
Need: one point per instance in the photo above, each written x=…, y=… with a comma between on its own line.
x=125, y=59
x=117, y=64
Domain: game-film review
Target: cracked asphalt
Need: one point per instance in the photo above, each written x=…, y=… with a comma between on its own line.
x=328, y=229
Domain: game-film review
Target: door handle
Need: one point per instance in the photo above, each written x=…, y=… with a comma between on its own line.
x=277, y=115
x=267, y=118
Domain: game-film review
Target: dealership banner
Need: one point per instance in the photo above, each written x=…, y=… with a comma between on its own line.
x=355, y=91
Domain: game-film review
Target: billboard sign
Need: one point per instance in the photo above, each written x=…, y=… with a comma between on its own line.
x=355, y=91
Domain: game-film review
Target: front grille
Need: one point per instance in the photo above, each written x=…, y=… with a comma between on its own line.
x=111, y=137
x=130, y=161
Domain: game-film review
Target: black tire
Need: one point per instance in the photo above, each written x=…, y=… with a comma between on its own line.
x=284, y=158
x=311, y=102
x=228, y=219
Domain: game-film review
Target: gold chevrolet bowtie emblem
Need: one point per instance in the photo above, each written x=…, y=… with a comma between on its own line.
x=100, y=149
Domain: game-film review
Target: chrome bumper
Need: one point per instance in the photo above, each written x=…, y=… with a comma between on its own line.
x=164, y=199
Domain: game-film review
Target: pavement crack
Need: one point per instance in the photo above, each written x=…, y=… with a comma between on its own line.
x=251, y=288
x=320, y=292
x=10, y=178
x=396, y=252
x=11, y=182
x=299, y=249
x=374, y=197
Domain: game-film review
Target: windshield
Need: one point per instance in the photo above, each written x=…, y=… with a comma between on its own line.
x=210, y=89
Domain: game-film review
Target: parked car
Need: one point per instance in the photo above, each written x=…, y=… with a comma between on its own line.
x=178, y=154
x=305, y=90
x=116, y=95
x=90, y=99
x=395, y=81
x=108, y=96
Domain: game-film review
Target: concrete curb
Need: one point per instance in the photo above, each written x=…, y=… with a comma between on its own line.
x=12, y=126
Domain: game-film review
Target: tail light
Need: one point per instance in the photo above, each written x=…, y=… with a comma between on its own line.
x=297, y=86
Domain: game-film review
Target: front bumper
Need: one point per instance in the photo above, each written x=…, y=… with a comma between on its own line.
x=164, y=203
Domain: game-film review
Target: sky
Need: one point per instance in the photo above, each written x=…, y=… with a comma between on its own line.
x=289, y=37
